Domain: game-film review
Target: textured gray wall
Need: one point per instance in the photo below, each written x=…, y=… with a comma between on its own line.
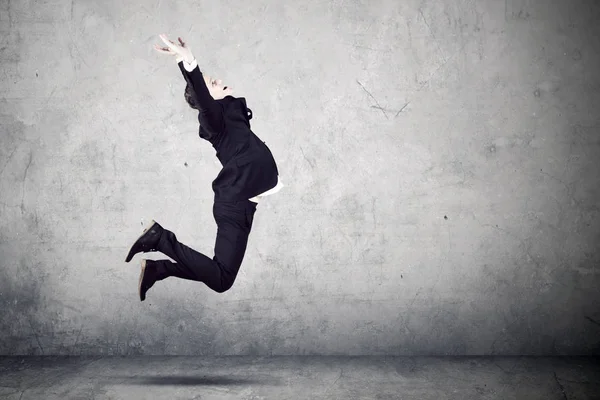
x=441, y=163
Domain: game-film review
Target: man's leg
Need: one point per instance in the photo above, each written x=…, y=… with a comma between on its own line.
x=234, y=221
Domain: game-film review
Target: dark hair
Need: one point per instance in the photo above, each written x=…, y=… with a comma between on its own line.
x=190, y=97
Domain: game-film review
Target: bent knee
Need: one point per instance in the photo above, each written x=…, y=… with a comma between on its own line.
x=225, y=286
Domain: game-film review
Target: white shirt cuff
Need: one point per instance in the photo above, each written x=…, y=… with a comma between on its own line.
x=189, y=67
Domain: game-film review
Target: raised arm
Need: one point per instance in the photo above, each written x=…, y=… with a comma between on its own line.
x=210, y=112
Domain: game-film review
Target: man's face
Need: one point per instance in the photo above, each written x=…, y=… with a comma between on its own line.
x=216, y=88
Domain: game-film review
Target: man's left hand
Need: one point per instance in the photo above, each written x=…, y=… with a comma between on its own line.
x=180, y=51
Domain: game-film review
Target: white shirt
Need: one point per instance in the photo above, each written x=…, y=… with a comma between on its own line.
x=276, y=189
x=189, y=67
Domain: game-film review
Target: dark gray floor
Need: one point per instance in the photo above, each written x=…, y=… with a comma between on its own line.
x=420, y=378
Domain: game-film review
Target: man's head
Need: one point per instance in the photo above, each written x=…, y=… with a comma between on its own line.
x=215, y=88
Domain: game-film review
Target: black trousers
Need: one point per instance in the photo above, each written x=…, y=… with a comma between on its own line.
x=234, y=222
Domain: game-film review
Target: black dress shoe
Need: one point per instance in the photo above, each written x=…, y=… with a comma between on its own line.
x=148, y=277
x=147, y=241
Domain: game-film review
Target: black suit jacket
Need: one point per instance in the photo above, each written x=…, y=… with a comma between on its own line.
x=249, y=168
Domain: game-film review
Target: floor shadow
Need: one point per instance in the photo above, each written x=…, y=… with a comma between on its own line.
x=183, y=380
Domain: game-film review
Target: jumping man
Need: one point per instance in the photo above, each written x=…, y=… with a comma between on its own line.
x=249, y=172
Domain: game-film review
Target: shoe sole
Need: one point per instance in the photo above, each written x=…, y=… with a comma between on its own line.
x=141, y=279
x=136, y=240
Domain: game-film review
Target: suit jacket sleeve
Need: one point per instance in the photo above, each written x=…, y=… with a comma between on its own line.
x=210, y=114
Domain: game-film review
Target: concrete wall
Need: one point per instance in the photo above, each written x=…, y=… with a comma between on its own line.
x=441, y=162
